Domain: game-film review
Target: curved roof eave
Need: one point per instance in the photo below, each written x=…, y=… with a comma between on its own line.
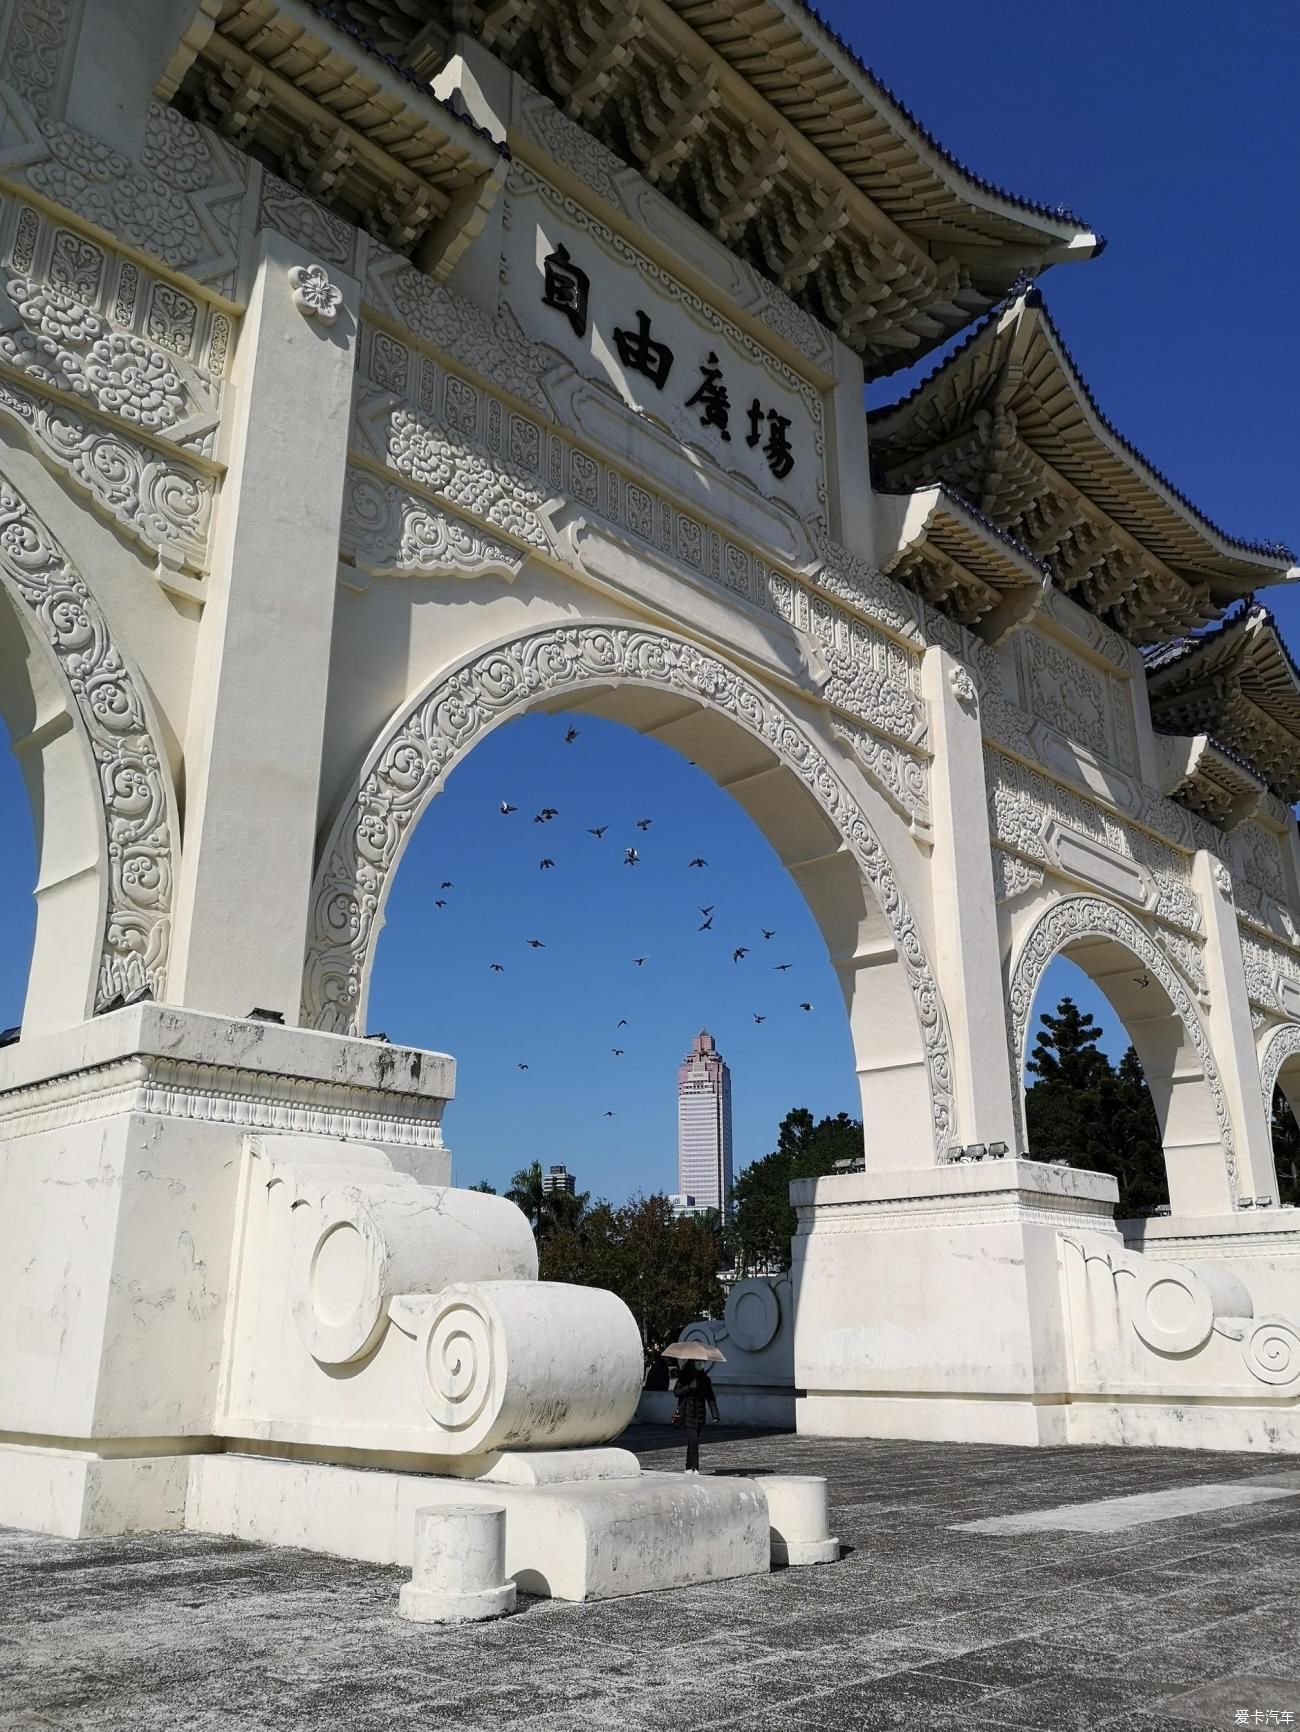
x=1274, y=562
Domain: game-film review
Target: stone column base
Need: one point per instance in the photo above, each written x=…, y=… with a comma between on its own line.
x=80, y=1494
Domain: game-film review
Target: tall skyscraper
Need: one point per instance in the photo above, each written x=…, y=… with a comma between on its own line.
x=704, y=1125
x=558, y=1179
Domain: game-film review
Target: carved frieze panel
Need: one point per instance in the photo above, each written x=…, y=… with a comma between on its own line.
x=182, y=202
x=903, y=775
x=496, y=464
x=1272, y=974
x=1026, y=808
x=304, y=220
x=37, y=43
x=134, y=785
x=625, y=323
x=1014, y=876
x=1089, y=706
x=1259, y=880
x=386, y=530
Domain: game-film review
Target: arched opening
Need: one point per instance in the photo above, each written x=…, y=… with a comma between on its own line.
x=1086, y=1095
x=1158, y=1013
x=636, y=959
x=17, y=883
x=752, y=747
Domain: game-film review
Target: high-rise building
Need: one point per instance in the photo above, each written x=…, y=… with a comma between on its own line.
x=704, y=1125
x=559, y=1179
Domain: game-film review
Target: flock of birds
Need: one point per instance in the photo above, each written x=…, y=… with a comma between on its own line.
x=631, y=857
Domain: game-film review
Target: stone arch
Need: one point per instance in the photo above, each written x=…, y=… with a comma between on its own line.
x=87, y=742
x=1281, y=1054
x=1164, y=1026
x=787, y=785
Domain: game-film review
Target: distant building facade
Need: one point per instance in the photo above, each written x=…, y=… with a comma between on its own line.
x=682, y=1205
x=558, y=1178
x=704, y=1125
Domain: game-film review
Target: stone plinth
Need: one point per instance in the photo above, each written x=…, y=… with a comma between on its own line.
x=798, y=1510
x=458, y=1572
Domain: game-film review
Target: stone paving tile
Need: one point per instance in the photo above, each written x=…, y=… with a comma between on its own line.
x=919, y=1625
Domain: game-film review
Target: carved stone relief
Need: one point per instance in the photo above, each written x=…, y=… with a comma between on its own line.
x=134, y=786
x=1013, y=876
x=181, y=202
x=39, y=38
x=1077, y=917
x=1023, y=805
x=1272, y=974
x=420, y=748
x=386, y=529
x=901, y=774
x=1065, y=691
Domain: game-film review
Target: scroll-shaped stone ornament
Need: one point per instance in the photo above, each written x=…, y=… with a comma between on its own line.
x=528, y=1364
x=314, y=295
x=364, y=1244
x=1271, y=1351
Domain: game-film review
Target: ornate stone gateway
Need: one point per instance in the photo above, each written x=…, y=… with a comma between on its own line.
x=319, y=322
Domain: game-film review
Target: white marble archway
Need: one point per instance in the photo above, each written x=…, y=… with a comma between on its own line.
x=1280, y=1064
x=902, y=1041
x=87, y=742
x=1160, y=1018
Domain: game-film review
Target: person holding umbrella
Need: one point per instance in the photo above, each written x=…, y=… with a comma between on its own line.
x=694, y=1392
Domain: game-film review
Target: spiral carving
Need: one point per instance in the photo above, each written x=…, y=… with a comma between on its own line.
x=1272, y=1351
x=462, y=1390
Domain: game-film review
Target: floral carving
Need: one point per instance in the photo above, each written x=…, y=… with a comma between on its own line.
x=418, y=750
x=1067, y=693
x=1190, y=958
x=387, y=529
x=962, y=687
x=160, y=502
x=38, y=48
x=133, y=784
x=1075, y=917
x=467, y=475
x=305, y=221
x=903, y=775
x=314, y=295
x=1266, y=964
x=1222, y=878
x=1013, y=876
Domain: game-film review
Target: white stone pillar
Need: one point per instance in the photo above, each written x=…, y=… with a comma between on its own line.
x=253, y=746
x=967, y=956
x=1232, y=1036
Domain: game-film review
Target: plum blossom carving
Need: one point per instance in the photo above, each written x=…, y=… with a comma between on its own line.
x=314, y=295
x=962, y=687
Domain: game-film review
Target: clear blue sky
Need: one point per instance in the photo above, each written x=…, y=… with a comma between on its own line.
x=1172, y=130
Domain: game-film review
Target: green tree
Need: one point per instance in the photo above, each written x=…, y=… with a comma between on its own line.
x=663, y=1268
x=1085, y=1110
x=1286, y=1149
x=526, y=1193
x=482, y=1185
x=763, y=1221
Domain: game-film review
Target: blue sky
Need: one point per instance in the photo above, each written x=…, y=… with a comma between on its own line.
x=1169, y=131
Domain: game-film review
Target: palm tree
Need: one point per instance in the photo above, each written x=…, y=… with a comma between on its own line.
x=525, y=1191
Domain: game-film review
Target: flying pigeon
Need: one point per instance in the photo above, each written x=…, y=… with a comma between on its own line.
x=599, y=832
x=617, y=1051
x=621, y=1023
x=571, y=736
x=705, y=925
x=758, y=1018
x=608, y=1114
x=507, y=808
x=766, y=933
x=545, y=865
x=738, y=952
x=546, y=814
x=805, y=1005
x=446, y=884
x=644, y=823
x=697, y=862
x=709, y=909
x=440, y=902
x=497, y=967
x=521, y=1067
x=536, y=944
x=1143, y=979
x=639, y=961
x=783, y=967
x=630, y=856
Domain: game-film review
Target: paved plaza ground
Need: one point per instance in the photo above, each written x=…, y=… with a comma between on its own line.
x=1125, y=1617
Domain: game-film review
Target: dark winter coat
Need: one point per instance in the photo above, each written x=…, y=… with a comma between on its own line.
x=695, y=1399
